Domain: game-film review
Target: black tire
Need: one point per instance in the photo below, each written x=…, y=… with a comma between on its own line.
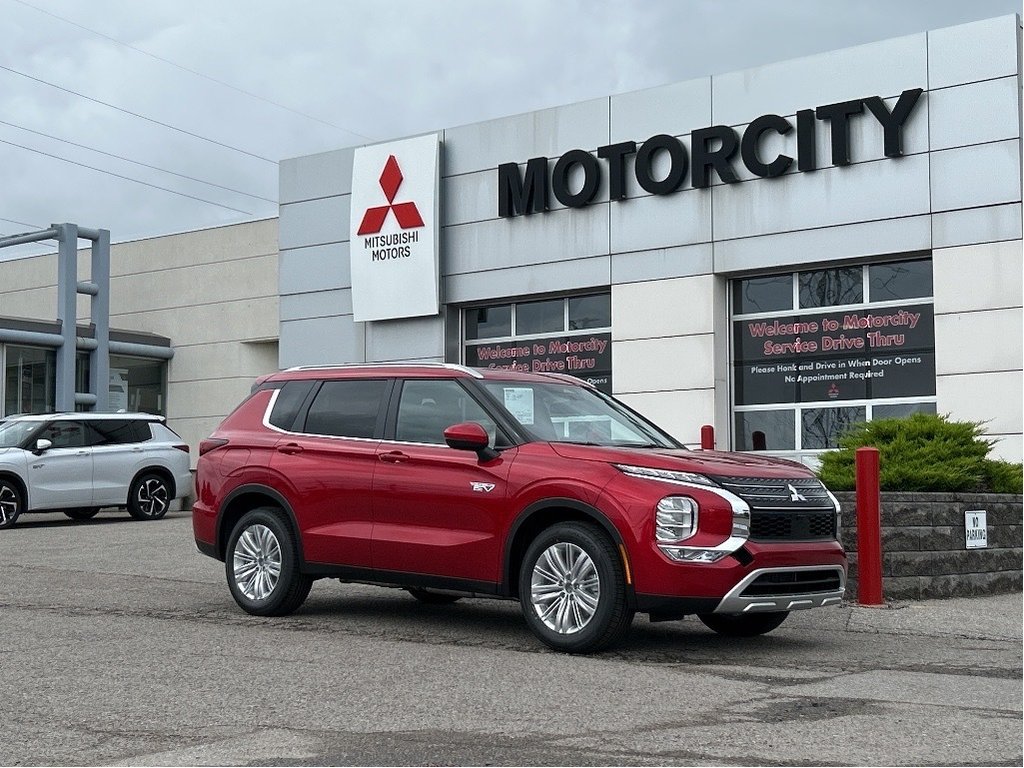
x=82, y=513
x=743, y=625
x=432, y=598
x=611, y=614
x=12, y=503
x=290, y=588
x=150, y=497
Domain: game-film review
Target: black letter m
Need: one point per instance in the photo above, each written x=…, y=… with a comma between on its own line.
x=528, y=195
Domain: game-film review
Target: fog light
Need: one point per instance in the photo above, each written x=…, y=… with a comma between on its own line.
x=675, y=518
x=693, y=554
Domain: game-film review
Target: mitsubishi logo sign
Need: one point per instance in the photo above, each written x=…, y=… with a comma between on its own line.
x=794, y=494
x=407, y=214
x=393, y=246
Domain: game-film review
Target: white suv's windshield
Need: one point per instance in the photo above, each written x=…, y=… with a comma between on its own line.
x=575, y=414
x=12, y=433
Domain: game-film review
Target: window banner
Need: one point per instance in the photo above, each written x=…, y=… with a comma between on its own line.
x=587, y=357
x=864, y=353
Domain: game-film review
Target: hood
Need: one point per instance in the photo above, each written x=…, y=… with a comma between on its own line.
x=720, y=463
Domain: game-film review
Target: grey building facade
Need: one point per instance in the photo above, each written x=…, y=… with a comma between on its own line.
x=780, y=252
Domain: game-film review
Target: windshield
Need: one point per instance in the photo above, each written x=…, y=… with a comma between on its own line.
x=13, y=433
x=574, y=414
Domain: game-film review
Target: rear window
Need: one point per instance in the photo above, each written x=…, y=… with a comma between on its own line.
x=119, y=431
x=346, y=408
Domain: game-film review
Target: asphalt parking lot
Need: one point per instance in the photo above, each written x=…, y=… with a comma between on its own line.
x=122, y=646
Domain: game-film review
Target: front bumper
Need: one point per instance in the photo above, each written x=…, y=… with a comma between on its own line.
x=785, y=589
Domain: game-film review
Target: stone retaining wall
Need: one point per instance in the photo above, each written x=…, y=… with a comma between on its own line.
x=924, y=550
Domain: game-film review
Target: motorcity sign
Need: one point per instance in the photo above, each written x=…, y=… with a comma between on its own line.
x=394, y=230
x=585, y=356
x=860, y=354
x=716, y=148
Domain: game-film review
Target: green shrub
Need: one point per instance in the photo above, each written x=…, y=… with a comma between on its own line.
x=923, y=452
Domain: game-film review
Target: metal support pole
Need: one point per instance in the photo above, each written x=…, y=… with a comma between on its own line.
x=707, y=438
x=67, y=313
x=99, y=358
x=869, y=528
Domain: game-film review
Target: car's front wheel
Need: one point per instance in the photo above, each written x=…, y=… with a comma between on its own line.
x=11, y=503
x=149, y=498
x=572, y=589
x=743, y=625
x=262, y=565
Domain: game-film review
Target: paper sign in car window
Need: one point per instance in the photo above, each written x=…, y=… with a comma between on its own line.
x=519, y=402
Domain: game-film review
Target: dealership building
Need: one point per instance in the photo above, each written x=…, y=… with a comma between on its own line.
x=779, y=252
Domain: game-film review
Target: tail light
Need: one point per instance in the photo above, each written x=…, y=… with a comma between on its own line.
x=180, y=447
x=210, y=443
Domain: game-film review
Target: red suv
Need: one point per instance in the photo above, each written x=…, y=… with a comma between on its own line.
x=451, y=481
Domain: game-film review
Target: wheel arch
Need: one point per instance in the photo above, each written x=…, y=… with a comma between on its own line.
x=244, y=499
x=539, y=516
x=155, y=469
x=20, y=484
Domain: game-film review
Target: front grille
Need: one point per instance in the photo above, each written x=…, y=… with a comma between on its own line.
x=793, y=583
x=785, y=509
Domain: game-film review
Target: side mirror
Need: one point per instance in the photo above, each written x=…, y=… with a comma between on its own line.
x=42, y=445
x=470, y=436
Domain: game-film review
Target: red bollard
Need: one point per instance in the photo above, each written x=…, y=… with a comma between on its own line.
x=707, y=438
x=869, y=528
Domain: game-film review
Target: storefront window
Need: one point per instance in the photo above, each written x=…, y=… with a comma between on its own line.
x=137, y=384
x=860, y=345
x=29, y=380
x=565, y=335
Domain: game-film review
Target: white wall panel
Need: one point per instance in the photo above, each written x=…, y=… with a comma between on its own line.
x=975, y=113
x=976, y=225
x=322, y=175
x=318, y=267
x=661, y=221
x=229, y=359
x=638, y=266
x=420, y=338
x=550, y=277
x=993, y=398
x=300, y=306
x=548, y=133
x=681, y=413
x=321, y=341
x=912, y=233
x=883, y=189
x=674, y=109
x=980, y=50
x=977, y=342
x=978, y=277
x=656, y=365
x=315, y=222
x=983, y=174
x=885, y=68
x=470, y=197
x=523, y=240
x=682, y=306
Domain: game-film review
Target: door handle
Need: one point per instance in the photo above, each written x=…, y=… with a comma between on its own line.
x=82, y=453
x=393, y=457
x=290, y=448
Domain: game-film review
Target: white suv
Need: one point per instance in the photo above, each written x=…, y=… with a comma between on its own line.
x=79, y=462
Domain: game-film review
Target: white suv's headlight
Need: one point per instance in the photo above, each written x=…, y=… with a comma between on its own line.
x=675, y=519
x=668, y=475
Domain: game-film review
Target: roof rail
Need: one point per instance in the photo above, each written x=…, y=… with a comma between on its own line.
x=411, y=364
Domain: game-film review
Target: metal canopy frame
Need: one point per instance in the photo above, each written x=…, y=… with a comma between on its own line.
x=67, y=343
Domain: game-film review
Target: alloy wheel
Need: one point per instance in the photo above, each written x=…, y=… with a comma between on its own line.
x=151, y=497
x=9, y=504
x=565, y=588
x=257, y=562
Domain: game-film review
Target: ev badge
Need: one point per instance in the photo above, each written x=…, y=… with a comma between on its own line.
x=794, y=494
x=483, y=487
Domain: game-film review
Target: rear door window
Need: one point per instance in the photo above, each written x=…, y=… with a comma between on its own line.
x=289, y=402
x=347, y=408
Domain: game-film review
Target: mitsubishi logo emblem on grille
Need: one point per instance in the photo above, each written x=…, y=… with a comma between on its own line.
x=794, y=494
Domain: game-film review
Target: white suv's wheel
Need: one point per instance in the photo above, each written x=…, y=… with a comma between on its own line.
x=262, y=565
x=149, y=497
x=10, y=503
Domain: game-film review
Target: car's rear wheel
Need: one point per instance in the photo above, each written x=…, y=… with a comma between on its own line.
x=743, y=625
x=572, y=589
x=262, y=565
x=82, y=513
x=11, y=503
x=150, y=496
x=432, y=598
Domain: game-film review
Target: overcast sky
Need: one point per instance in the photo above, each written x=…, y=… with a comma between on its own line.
x=223, y=89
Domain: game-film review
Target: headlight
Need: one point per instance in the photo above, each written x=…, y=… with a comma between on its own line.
x=675, y=519
x=668, y=475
